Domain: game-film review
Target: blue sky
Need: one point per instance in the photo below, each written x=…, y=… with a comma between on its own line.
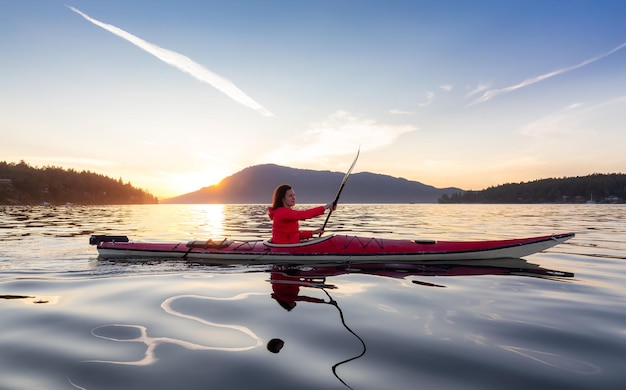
x=176, y=95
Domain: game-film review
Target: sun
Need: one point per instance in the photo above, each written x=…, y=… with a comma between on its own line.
x=184, y=183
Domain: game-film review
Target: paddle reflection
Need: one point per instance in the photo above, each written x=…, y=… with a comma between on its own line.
x=287, y=282
x=286, y=291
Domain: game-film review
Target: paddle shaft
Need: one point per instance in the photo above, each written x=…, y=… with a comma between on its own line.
x=343, y=183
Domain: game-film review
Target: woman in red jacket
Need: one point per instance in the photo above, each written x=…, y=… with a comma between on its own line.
x=285, y=228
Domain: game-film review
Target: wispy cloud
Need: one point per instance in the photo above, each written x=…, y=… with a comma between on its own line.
x=184, y=64
x=338, y=134
x=491, y=93
x=478, y=89
x=430, y=96
x=555, y=124
x=400, y=112
x=579, y=119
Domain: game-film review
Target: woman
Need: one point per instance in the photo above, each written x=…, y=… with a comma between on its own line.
x=285, y=228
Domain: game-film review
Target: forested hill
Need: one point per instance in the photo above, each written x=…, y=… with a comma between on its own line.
x=596, y=188
x=21, y=184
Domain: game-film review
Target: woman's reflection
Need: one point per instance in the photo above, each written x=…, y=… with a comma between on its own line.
x=286, y=291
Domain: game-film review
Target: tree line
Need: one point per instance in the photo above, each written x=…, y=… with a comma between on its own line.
x=22, y=184
x=597, y=188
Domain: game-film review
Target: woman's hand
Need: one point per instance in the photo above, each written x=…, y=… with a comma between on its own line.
x=329, y=206
x=318, y=231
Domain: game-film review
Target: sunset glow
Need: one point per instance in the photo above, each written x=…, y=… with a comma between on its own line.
x=174, y=98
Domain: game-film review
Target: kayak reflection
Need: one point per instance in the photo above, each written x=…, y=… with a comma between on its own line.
x=287, y=282
x=315, y=275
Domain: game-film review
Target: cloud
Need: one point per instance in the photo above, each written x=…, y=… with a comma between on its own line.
x=479, y=88
x=446, y=87
x=553, y=125
x=400, y=112
x=184, y=64
x=580, y=121
x=490, y=94
x=339, y=134
x=430, y=96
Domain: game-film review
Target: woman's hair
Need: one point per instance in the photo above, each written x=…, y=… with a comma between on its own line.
x=279, y=194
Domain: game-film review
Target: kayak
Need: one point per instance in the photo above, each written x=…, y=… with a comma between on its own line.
x=330, y=248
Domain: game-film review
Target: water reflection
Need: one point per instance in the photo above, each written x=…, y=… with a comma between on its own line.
x=287, y=282
x=554, y=360
x=139, y=334
x=315, y=275
x=286, y=291
x=29, y=299
x=290, y=286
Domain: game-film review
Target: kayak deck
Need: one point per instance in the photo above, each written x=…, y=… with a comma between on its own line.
x=328, y=248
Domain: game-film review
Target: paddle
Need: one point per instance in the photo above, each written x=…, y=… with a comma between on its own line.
x=343, y=183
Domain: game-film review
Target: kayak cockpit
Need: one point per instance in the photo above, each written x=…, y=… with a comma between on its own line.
x=308, y=242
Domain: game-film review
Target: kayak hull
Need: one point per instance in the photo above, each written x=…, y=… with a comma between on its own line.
x=332, y=248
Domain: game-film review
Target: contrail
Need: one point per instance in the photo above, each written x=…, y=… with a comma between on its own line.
x=184, y=64
x=488, y=95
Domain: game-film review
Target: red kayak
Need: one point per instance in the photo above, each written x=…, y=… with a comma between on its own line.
x=331, y=248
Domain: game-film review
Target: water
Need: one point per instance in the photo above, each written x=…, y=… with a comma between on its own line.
x=72, y=321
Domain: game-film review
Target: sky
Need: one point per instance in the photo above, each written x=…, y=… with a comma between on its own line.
x=175, y=95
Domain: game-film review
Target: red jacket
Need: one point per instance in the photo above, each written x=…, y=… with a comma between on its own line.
x=286, y=229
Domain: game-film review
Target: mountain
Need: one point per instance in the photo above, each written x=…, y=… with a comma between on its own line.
x=256, y=184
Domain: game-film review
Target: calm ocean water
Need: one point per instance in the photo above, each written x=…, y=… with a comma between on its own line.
x=72, y=321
